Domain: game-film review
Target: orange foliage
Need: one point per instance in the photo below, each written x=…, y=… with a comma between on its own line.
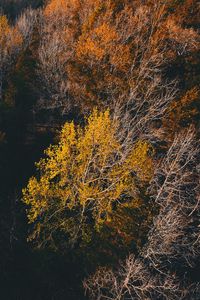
x=4, y=29
x=9, y=36
x=97, y=42
x=107, y=39
x=182, y=112
x=59, y=6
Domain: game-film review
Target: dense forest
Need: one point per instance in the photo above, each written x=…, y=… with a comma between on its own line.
x=99, y=149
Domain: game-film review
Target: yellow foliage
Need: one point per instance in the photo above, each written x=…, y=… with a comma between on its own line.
x=86, y=173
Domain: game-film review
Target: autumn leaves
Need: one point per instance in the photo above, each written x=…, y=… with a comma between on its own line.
x=112, y=54
x=103, y=183
x=85, y=176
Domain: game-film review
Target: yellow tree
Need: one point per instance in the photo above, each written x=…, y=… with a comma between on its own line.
x=84, y=178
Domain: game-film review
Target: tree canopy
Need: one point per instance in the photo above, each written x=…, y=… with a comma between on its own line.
x=111, y=90
x=85, y=177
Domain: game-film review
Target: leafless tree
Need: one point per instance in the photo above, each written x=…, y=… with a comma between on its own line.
x=150, y=94
x=29, y=20
x=137, y=115
x=53, y=57
x=176, y=185
x=58, y=39
x=172, y=242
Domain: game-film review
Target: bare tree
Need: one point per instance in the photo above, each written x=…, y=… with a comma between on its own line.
x=172, y=242
x=29, y=20
x=57, y=46
x=53, y=57
x=176, y=185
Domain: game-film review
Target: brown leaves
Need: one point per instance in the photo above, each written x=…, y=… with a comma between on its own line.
x=181, y=113
x=106, y=47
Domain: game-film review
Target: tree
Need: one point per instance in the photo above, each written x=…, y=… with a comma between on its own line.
x=160, y=270
x=84, y=179
x=181, y=113
x=28, y=22
x=10, y=43
x=114, y=49
x=13, y=8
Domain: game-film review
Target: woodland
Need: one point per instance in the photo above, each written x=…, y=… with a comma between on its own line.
x=99, y=149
